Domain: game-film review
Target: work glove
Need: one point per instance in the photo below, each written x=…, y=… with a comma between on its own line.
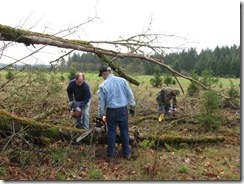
x=78, y=109
x=104, y=118
x=174, y=111
x=132, y=110
x=71, y=103
x=101, y=124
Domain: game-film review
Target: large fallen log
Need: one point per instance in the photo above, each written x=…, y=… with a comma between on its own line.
x=44, y=133
x=12, y=124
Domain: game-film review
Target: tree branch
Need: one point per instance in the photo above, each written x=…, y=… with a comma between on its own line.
x=8, y=33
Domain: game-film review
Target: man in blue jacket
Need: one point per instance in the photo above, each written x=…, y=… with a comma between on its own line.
x=79, y=95
x=114, y=95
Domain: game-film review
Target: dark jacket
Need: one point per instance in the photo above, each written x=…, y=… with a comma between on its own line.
x=79, y=93
x=164, y=97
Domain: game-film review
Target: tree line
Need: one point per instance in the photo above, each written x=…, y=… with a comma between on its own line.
x=222, y=61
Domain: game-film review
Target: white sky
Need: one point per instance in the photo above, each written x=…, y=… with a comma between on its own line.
x=207, y=23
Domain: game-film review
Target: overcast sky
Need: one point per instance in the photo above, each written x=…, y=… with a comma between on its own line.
x=205, y=23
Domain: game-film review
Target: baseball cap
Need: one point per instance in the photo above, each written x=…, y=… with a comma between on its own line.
x=104, y=69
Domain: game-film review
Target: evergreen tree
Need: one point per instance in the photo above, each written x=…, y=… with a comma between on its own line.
x=223, y=61
x=156, y=81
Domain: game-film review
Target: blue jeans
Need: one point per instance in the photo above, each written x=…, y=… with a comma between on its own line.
x=117, y=116
x=83, y=121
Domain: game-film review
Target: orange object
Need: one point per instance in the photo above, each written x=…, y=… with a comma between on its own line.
x=76, y=114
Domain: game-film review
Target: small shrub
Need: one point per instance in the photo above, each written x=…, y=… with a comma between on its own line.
x=147, y=143
x=157, y=80
x=61, y=176
x=62, y=78
x=9, y=75
x=94, y=174
x=209, y=122
x=57, y=155
x=234, y=94
x=183, y=169
x=193, y=89
x=210, y=102
x=3, y=172
x=169, y=80
x=71, y=74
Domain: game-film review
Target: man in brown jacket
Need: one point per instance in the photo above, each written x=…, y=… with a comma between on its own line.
x=164, y=97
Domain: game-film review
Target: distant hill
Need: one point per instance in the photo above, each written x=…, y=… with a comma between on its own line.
x=16, y=66
x=3, y=65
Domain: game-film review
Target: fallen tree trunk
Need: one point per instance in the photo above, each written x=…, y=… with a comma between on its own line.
x=8, y=33
x=12, y=124
x=44, y=133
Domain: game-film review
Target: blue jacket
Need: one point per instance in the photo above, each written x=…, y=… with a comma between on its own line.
x=79, y=93
x=114, y=92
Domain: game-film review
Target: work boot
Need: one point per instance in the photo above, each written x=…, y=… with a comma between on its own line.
x=78, y=126
x=128, y=157
x=109, y=159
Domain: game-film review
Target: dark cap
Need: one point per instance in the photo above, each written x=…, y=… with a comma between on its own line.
x=104, y=69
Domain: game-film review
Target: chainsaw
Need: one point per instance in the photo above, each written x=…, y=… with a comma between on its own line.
x=100, y=126
x=73, y=112
x=172, y=111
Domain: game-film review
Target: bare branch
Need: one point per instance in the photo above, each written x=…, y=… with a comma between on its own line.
x=138, y=43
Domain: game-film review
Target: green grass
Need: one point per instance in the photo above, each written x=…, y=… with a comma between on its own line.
x=143, y=79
